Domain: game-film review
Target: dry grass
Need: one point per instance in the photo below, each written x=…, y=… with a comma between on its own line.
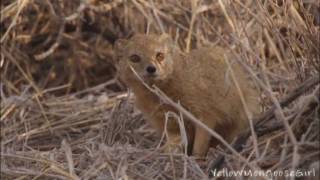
x=65, y=116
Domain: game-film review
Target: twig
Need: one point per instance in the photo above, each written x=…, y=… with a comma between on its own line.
x=24, y=74
x=18, y=6
x=54, y=46
x=194, y=7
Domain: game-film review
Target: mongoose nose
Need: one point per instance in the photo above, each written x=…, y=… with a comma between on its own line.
x=151, y=69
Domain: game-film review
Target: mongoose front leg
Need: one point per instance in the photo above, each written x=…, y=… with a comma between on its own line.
x=171, y=129
x=201, y=142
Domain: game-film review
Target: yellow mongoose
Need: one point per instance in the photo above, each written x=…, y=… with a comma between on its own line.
x=199, y=81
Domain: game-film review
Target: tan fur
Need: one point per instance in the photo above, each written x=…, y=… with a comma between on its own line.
x=200, y=81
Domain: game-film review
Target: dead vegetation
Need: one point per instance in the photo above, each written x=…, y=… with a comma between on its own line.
x=65, y=116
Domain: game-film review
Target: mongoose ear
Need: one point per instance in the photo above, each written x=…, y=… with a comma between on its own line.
x=119, y=44
x=119, y=49
x=167, y=40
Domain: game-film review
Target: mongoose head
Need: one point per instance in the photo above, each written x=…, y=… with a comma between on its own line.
x=144, y=57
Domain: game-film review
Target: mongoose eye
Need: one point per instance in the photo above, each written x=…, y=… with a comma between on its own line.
x=135, y=58
x=160, y=56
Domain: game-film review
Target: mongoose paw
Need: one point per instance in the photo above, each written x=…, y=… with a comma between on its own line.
x=201, y=161
x=174, y=146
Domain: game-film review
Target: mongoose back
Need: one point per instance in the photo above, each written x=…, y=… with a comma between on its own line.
x=200, y=81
